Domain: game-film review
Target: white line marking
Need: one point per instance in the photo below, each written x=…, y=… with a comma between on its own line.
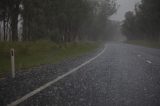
x=148, y=61
x=53, y=81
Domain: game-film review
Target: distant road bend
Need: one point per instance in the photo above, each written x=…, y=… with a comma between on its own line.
x=120, y=75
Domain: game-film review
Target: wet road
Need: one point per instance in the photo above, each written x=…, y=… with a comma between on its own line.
x=124, y=75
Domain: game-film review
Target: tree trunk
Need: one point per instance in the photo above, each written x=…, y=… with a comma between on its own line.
x=4, y=30
x=14, y=28
x=14, y=21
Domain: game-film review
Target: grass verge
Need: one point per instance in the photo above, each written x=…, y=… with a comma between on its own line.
x=30, y=54
x=146, y=43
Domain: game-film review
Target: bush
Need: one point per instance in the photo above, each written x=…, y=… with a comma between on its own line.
x=26, y=48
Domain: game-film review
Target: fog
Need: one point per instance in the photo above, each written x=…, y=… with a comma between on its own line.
x=124, y=6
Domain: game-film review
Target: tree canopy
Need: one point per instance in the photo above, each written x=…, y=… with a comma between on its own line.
x=58, y=20
x=144, y=22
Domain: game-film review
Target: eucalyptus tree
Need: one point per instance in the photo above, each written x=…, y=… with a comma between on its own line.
x=102, y=11
x=9, y=12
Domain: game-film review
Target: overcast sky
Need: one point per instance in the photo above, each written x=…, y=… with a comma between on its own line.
x=125, y=5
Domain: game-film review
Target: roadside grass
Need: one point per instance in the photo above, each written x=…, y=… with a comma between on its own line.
x=30, y=54
x=146, y=43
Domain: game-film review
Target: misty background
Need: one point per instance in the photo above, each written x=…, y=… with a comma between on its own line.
x=124, y=6
x=65, y=21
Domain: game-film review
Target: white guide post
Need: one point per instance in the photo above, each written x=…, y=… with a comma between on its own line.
x=13, y=63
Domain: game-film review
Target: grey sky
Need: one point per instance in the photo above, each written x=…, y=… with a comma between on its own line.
x=125, y=5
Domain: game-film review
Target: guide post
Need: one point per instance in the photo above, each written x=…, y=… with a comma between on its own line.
x=13, y=63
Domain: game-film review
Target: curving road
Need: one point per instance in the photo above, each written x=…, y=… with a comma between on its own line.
x=123, y=75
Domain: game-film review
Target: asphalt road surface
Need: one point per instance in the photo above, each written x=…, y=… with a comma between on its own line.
x=123, y=75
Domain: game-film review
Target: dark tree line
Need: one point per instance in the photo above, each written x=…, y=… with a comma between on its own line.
x=9, y=12
x=58, y=20
x=144, y=23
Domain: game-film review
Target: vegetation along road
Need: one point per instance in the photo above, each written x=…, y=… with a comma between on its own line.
x=120, y=74
x=60, y=58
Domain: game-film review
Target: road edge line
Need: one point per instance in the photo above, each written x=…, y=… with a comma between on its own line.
x=32, y=93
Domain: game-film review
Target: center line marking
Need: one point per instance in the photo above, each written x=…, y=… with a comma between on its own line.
x=148, y=61
x=18, y=101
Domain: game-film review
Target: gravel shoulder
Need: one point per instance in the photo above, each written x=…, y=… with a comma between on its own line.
x=30, y=79
x=119, y=77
